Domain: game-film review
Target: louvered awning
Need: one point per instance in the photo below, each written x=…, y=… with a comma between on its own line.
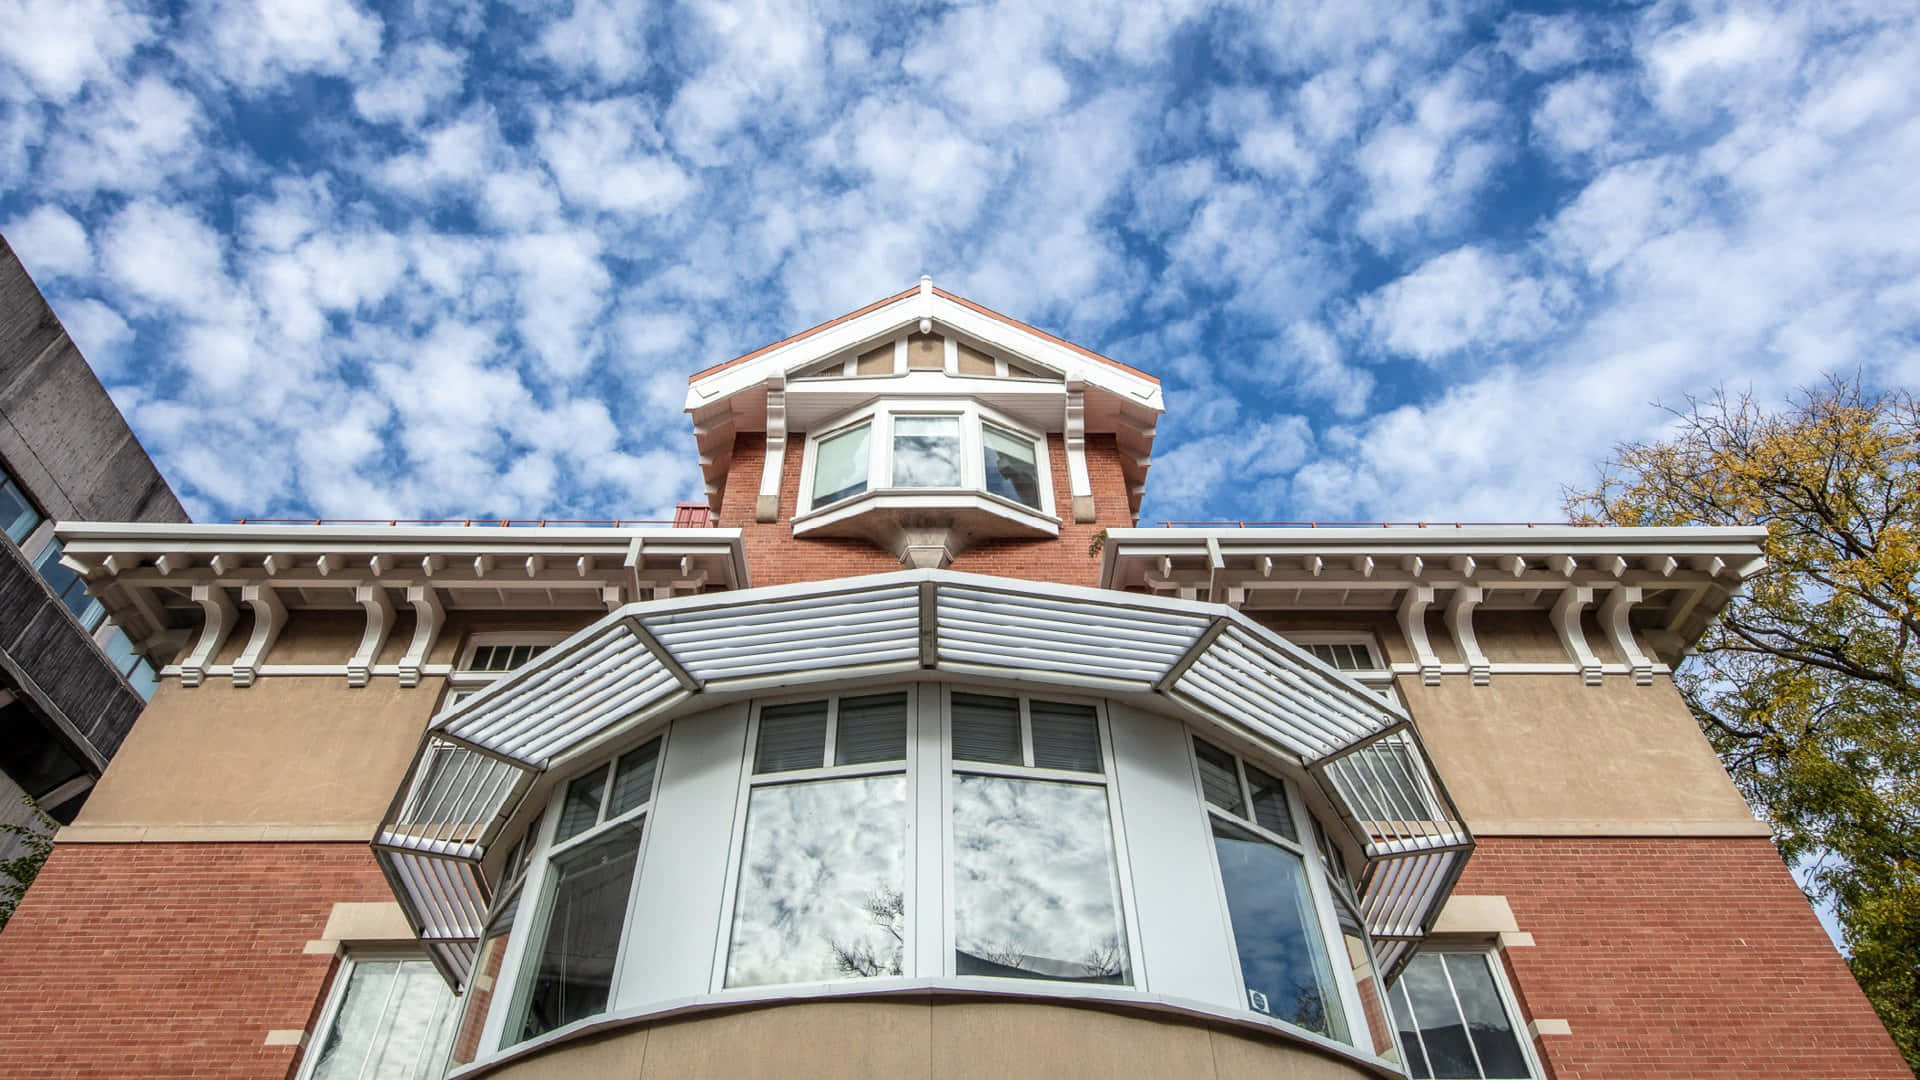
x=480, y=757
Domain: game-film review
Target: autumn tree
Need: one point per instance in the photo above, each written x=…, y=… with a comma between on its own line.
x=1809, y=684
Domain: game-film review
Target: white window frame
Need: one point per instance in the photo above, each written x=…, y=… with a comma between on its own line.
x=737, y=835
x=533, y=885
x=1319, y=888
x=1116, y=827
x=973, y=483
x=1503, y=989
x=1378, y=677
x=337, y=994
x=849, y=362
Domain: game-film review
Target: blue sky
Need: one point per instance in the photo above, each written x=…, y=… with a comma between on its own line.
x=1390, y=259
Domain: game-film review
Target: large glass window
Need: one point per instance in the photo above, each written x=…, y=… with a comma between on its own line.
x=1035, y=875
x=595, y=852
x=1285, y=965
x=386, y=1020
x=821, y=893
x=1454, y=1019
x=17, y=514
x=1012, y=467
x=122, y=655
x=840, y=465
x=926, y=451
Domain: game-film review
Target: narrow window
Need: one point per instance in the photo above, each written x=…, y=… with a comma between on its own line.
x=821, y=893
x=386, y=1018
x=840, y=465
x=68, y=585
x=926, y=451
x=1036, y=875
x=589, y=881
x=1454, y=1021
x=17, y=514
x=1012, y=468
x=1285, y=964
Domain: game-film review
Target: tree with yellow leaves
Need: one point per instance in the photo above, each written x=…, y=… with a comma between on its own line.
x=1809, y=685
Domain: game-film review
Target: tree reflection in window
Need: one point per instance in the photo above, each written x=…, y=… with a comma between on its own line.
x=1036, y=884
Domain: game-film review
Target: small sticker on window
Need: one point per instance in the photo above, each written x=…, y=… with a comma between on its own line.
x=1259, y=1002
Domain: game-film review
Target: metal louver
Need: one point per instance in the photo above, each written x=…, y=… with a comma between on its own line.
x=482, y=755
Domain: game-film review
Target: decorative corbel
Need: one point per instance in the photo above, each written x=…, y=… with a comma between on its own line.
x=379, y=607
x=269, y=615
x=1363, y=565
x=1460, y=624
x=1414, y=565
x=1413, y=626
x=1613, y=620
x=1076, y=439
x=428, y=615
x=767, y=506
x=220, y=616
x=612, y=596
x=1566, y=622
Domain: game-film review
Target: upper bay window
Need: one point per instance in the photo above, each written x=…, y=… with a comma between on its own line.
x=926, y=448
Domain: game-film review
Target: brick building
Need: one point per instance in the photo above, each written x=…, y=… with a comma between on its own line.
x=909, y=754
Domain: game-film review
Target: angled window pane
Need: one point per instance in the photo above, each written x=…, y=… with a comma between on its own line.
x=791, y=737
x=1065, y=737
x=1013, y=471
x=1487, y=1022
x=926, y=451
x=478, y=996
x=1219, y=780
x=582, y=808
x=822, y=883
x=1417, y=1066
x=1283, y=956
x=17, y=515
x=1270, y=803
x=1435, y=1020
x=1036, y=884
x=392, y=1024
x=840, y=465
x=69, y=586
x=633, y=778
x=580, y=940
x=872, y=728
x=986, y=729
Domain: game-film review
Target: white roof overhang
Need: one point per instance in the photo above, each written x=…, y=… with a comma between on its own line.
x=1680, y=577
x=648, y=661
x=146, y=574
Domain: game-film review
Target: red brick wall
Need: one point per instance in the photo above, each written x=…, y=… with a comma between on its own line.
x=171, y=960
x=776, y=557
x=1678, y=957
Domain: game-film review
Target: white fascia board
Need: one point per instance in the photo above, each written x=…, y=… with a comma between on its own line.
x=134, y=536
x=1691, y=538
x=898, y=316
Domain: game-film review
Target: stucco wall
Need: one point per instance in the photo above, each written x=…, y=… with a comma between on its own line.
x=950, y=1039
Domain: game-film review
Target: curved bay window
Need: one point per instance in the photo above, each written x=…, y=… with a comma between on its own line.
x=907, y=447
x=928, y=835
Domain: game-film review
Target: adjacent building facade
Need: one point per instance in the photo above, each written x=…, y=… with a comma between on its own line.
x=71, y=681
x=909, y=754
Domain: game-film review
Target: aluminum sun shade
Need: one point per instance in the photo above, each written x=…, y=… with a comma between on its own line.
x=481, y=756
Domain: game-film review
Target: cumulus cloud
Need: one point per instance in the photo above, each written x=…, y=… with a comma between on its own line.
x=1391, y=260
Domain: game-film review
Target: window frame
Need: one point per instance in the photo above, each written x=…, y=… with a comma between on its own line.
x=1320, y=889
x=1378, y=678
x=908, y=767
x=1503, y=989
x=973, y=484
x=351, y=958
x=1137, y=981
x=536, y=881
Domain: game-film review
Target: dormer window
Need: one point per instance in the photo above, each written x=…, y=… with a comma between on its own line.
x=912, y=448
x=925, y=478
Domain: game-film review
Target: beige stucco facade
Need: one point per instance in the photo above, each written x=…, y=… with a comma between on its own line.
x=943, y=1039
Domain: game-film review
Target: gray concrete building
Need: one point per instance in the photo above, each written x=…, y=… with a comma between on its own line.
x=71, y=682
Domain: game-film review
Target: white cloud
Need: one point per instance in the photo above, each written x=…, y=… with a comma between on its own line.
x=604, y=157
x=133, y=139
x=51, y=243
x=1423, y=172
x=61, y=45
x=458, y=154
x=603, y=39
x=414, y=81
x=257, y=43
x=562, y=286
x=1463, y=300
x=99, y=332
x=164, y=255
x=1253, y=462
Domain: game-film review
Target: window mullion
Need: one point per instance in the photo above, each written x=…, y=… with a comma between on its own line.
x=831, y=743
x=1358, y=1026
x=1413, y=1020
x=1026, y=734
x=1459, y=1010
